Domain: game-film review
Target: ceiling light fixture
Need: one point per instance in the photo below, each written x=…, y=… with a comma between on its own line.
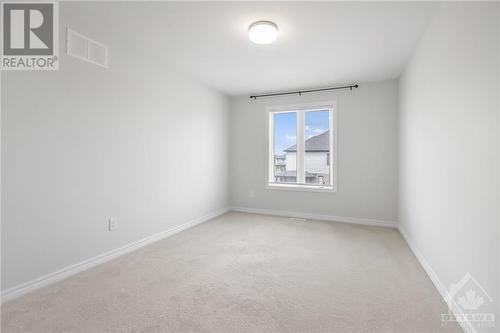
x=263, y=32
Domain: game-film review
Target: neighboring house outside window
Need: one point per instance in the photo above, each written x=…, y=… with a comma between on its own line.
x=302, y=152
x=279, y=165
x=317, y=151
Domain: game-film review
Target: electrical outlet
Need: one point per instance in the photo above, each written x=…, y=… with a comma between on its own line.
x=113, y=224
x=251, y=194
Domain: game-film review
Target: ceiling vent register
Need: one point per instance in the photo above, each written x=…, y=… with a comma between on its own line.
x=84, y=48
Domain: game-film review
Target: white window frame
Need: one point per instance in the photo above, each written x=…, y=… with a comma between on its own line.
x=301, y=109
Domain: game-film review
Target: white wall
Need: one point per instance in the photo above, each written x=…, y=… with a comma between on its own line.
x=367, y=155
x=498, y=149
x=291, y=161
x=80, y=145
x=316, y=162
x=449, y=186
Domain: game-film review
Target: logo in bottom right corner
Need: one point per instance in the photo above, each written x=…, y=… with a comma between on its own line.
x=467, y=301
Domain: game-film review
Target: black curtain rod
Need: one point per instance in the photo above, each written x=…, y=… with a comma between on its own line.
x=300, y=92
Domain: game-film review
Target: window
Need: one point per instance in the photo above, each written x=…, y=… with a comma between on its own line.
x=302, y=152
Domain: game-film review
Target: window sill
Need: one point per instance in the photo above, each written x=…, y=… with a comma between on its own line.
x=302, y=188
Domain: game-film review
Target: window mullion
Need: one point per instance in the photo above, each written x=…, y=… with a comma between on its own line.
x=270, y=117
x=300, y=147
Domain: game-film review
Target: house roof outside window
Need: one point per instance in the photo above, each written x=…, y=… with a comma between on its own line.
x=318, y=143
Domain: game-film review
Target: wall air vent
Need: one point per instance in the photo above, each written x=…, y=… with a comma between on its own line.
x=84, y=48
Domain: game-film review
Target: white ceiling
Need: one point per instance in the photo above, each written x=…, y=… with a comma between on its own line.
x=320, y=43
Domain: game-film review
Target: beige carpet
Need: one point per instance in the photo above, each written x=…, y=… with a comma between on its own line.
x=245, y=273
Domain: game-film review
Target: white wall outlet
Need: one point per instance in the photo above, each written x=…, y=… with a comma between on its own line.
x=251, y=194
x=112, y=224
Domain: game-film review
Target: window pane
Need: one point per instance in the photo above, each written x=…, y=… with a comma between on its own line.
x=285, y=147
x=317, y=148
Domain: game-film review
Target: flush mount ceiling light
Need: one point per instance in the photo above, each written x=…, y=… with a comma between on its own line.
x=263, y=32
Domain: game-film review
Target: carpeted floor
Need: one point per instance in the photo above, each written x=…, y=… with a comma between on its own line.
x=245, y=273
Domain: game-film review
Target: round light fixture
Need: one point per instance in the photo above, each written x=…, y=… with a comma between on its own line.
x=263, y=32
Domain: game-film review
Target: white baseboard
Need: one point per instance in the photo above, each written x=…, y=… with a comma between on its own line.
x=64, y=273
x=466, y=326
x=354, y=220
